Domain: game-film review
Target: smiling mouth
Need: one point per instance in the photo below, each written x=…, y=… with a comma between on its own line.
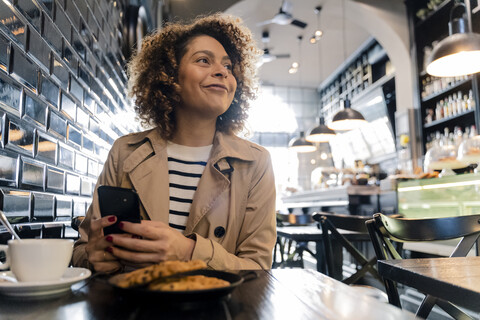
x=217, y=87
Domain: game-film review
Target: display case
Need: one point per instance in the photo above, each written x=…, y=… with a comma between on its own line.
x=440, y=197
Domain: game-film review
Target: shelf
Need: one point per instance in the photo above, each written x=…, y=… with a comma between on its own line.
x=444, y=120
x=442, y=6
x=445, y=91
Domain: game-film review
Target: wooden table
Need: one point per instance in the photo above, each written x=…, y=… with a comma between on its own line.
x=312, y=233
x=453, y=279
x=275, y=294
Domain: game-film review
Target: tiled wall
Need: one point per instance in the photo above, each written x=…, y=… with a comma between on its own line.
x=62, y=104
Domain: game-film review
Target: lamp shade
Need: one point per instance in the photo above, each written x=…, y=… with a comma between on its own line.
x=458, y=54
x=301, y=145
x=347, y=119
x=320, y=133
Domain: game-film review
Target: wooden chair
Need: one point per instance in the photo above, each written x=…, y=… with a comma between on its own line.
x=384, y=229
x=330, y=223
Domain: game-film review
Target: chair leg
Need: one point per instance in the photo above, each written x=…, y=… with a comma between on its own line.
x=392, y=292
x=453, y=310
x=426, y=307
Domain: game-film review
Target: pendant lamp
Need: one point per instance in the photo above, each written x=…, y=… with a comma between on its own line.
x=320, y=133
x=459, y=53
x=347, y=119
x=301, y=145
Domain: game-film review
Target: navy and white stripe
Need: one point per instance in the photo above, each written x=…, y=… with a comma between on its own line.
x=185, y=168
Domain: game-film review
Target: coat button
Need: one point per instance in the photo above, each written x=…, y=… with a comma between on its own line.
x=219, y=232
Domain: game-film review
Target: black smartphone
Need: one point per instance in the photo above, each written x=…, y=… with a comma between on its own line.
x=120, y=202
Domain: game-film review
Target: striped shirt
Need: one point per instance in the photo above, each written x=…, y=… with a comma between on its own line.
x=185, y=168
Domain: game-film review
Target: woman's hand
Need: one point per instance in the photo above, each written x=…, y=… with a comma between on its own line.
x=153, y=242
x=97, y=244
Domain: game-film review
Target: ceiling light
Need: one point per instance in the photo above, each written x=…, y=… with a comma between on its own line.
x=313, y=40
x=318, y=34
x=459, y=53
x=347, y=119
x=295, y=65
x=292, y=70
x=320, y=133
x=301, y=145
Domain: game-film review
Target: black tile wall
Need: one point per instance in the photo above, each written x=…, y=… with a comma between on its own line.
x=39, y=49
x=35, y=110
x=24, y=68
x=13, y=25
x=49, y=91
x=58, y=63
x=4, y=47
x=30, y=11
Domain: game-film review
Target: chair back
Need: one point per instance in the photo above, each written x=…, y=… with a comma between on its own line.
x=332, y=226
x=344, y=221
x=383, y=229
x=428, y=229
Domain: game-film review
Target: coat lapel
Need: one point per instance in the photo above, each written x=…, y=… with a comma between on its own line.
x=147, y=168
x=214, y=179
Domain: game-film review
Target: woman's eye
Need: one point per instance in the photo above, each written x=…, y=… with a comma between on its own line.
x=202, y=60
x=229, y=67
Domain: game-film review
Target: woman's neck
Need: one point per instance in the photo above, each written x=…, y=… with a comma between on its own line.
x=194, y=133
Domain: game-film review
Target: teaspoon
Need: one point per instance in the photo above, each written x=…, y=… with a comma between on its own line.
x=7, y=225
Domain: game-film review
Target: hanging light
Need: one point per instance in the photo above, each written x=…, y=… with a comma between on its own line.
x=347, y=119
x=320, y=133
x=301, y=145
x=459, y=53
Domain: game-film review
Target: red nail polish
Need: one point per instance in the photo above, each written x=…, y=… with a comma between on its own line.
x=109, y=238
x=109, y=249
x=111, y=219
x=120, y=225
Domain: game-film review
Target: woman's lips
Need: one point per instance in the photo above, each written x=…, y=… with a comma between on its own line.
x=218, y=87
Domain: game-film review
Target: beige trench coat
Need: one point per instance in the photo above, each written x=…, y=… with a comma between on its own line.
x=236, y=194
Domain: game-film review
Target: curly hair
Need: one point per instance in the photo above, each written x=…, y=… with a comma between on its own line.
x=153, y=71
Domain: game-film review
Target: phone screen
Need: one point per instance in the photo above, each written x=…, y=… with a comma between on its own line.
x=120, y=202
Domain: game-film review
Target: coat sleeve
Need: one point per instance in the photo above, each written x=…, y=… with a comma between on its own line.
x=108, y=176
x=257, y=234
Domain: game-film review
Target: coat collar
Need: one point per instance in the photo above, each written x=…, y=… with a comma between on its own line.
x=224, y=146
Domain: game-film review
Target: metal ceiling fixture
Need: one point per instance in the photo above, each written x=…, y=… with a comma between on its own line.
x=284, y=17
x=459, y=53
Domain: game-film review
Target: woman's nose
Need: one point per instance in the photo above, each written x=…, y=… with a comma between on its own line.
x=220, y=71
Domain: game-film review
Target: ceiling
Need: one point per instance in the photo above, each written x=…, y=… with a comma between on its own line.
x=317, y=61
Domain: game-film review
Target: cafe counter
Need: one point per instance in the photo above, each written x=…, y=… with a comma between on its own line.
x=356, y=200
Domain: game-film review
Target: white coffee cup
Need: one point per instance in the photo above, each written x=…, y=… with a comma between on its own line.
x=37, y=259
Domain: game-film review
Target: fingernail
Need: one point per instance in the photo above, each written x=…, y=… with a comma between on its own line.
x=120, y=225
x=111, y=219
x=109, y=238
x=109, y=249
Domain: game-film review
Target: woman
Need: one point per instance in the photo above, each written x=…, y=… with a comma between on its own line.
x=205, y=193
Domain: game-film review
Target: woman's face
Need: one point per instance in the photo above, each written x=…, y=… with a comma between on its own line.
x=206, y=80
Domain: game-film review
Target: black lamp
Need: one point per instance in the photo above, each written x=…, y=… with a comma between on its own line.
x=459, y=53
x=301, y=145
x=347, y=119
x=320, y=133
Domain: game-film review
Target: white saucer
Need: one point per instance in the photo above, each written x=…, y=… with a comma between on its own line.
x=35, y=289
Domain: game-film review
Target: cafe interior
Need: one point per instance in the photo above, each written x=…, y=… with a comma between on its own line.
x=368, y=108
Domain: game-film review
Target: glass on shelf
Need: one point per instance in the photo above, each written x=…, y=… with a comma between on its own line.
x=469, y=151
x=444, y=158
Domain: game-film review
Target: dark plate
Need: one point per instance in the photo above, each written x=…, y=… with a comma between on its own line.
x=184, y=296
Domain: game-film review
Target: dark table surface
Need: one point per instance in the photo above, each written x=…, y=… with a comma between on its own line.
x=276, y=294
x=453, y=279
